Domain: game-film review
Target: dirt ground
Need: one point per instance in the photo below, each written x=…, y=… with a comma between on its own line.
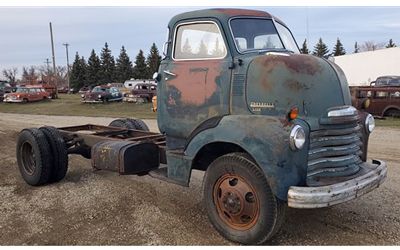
x=103, y=208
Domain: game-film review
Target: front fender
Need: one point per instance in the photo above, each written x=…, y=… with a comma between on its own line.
x=266, y=139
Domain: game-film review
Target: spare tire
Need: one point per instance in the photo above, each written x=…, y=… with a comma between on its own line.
x=119, y=123
x=127, y=123
x=137, y=124
x=34, y=157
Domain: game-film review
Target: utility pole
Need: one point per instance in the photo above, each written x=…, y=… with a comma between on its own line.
x=66, y=50
x=47, y=62
x=54, y=59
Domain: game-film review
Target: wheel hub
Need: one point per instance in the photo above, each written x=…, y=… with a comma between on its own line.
x=231, y=203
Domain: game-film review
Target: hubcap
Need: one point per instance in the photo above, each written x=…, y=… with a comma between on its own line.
x=236, y=202
x=28, y=158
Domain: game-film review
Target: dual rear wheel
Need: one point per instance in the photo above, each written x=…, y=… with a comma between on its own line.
x=41, y=155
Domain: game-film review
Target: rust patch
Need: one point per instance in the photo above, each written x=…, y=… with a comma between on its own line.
x=285, y=122
x=296, y=85
x=301, y=64
x=196, y=81
x=244, y=12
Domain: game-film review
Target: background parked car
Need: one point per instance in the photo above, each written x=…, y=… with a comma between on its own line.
x=378, y=101
x=85, y=89
x=383, y=81
x=49, y=88
x=63, y=90
x=102, y=94
x=5, y=87
x=1, y=95
x=26, y=94
x=142, y=92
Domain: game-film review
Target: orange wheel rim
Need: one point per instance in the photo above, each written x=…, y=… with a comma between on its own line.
x=236, y=201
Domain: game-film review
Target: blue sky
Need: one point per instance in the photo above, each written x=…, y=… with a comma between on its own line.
x=24, y=32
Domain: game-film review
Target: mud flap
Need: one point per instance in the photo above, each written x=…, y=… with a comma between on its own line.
x=125, y=157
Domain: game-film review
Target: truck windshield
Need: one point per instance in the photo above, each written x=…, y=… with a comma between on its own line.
x=261, y=34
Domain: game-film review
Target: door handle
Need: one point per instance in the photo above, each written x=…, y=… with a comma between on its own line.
x=169, y=73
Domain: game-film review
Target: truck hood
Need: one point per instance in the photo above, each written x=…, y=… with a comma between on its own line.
x=276, y=82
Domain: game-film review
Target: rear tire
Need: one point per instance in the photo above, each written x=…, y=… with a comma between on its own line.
x=393, y=113
x=239, y=200
x=34, y=157
x=59, y=152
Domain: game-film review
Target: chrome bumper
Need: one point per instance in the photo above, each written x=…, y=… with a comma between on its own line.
x=91, y=101
x=325, y=196
x=12, y=100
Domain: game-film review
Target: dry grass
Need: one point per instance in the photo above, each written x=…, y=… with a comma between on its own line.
x=71, y=105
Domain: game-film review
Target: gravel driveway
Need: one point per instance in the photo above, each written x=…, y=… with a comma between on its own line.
x=102, y=208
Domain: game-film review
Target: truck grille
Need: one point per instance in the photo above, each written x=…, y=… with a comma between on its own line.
x=334, y=152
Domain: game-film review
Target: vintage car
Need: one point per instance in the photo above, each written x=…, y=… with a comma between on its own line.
x=142, y=92
x=378, y=101
x=49, y=88
x=386, y=81
x=1, y=95
x=102, y=94
x=85, y=89
x=26, y=94
x=63, y=90
x=5, y=87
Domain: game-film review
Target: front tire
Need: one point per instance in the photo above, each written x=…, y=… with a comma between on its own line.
x=239, y=200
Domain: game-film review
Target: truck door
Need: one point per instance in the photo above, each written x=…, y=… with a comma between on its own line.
x=194, y=83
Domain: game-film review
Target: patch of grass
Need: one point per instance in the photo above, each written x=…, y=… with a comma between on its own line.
x=388, y=122
x=71, y=105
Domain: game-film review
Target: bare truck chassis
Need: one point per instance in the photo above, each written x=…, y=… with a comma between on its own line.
x=123, y=150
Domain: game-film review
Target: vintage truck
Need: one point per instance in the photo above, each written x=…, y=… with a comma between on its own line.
x=270, y=127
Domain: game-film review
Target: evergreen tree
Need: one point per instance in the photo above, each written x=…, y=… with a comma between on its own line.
x=124, y=67
x=304, y=48
x=356, y=48
x=320, y=49
x=153, y=61
x=140, y=69
x=391, y=44
x=93, y=71
x=338, y=50
x=186, y=49
x=78, y=72
x=107, y=65
x=203, y=50
x=217, y=51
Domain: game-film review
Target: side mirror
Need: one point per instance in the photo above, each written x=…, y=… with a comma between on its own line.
x=372, y=83
x=165, y=48
x=156, y=76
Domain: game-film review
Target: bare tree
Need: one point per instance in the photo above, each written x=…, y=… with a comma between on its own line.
x=371, y=46
x=10, y=74
x=29, y=75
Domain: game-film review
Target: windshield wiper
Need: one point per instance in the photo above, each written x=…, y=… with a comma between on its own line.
x=275, y=50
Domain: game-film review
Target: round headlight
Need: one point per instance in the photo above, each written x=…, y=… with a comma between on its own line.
x=297, y=137
x=83, y=96
x=99, y=96
x=370, y=123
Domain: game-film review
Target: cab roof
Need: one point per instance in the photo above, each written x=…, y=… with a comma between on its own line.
x=222, y=14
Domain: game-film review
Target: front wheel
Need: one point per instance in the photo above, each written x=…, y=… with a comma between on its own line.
x=239, y=200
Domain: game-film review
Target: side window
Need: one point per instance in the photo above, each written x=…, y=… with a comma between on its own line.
x=381, y=94
x=199, y=41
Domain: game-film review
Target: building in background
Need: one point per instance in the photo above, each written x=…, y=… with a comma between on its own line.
x=364, y=67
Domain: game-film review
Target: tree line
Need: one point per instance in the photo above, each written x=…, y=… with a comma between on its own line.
x=321, y=49
x=105, y=69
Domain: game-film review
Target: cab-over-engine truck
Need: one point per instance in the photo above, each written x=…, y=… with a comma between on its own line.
x=270, y=127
